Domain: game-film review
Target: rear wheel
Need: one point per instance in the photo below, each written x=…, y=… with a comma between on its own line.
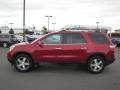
x=96, y=64
x=23, y=63
x=5, y=44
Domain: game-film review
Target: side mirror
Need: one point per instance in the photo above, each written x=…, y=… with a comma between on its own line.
x=40, y=44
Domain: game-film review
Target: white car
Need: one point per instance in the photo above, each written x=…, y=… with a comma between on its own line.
x=20, y=38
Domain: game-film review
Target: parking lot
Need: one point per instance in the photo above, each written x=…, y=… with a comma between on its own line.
x=58, y=77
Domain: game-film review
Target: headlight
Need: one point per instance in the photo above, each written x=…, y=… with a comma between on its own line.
x=12, y=47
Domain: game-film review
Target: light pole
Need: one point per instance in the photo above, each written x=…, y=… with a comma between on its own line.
x=48, y=21
x=54, y=26
x=0, y=31
x=23, y=20
x=11, y=24
x=97, y=26
x=5, y=28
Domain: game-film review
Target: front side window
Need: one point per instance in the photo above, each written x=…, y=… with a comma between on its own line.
x=73, y=39
x=52, y=39
x=12, y=36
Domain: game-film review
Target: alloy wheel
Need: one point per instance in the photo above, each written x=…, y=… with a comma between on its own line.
x=23, y=63
x=96, y=65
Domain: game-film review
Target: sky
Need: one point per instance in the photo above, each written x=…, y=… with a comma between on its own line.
x=64, y=12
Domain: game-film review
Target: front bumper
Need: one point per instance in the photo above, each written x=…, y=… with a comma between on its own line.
x=10, y=57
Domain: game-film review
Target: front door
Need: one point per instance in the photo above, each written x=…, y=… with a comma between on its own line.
x=50, y=48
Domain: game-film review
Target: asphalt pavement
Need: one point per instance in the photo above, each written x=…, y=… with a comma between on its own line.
x=58, y=77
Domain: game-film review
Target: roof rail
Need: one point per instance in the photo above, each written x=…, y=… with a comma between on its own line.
x=80, y=30
x=62, y=30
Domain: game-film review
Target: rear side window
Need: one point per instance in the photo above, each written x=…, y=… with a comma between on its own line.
x=4, y=36
x=73, y=38
x=98, y=38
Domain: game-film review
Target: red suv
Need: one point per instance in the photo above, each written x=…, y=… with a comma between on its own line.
x=93, y=49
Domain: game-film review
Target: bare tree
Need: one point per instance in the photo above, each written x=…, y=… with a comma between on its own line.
x=11, y=31
x=44, y=30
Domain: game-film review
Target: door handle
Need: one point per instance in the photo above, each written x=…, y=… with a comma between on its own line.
x=58, y=48
x=84, y=48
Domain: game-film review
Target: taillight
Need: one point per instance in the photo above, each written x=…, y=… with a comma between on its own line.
x=112, y=46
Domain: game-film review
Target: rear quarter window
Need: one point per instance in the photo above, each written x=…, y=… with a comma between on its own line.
x=98, y=38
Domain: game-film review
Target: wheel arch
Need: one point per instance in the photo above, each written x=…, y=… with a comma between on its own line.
x=24, y=53
x=97, y=54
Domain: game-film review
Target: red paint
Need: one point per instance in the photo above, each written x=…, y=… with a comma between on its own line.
x=75, y=53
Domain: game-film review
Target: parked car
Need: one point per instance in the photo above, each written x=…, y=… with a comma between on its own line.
x=7, y=40
x=20, y=38
x=92, y=49
x=32, y=37
x=116, y=41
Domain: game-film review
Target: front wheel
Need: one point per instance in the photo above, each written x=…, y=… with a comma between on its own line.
x=96, y=64
x=23, y=63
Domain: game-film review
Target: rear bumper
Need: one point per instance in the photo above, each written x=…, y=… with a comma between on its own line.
x=109, y=61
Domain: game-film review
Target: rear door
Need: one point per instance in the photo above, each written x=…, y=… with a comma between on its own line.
x=100, y=42
x=74, y=47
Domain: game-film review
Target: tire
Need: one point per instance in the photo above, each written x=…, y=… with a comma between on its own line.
x=96, y=64
x=23, y=63
x=5, y=44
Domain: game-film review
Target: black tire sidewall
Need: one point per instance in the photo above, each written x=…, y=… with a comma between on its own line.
x=89, y=62
x=30, y=63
